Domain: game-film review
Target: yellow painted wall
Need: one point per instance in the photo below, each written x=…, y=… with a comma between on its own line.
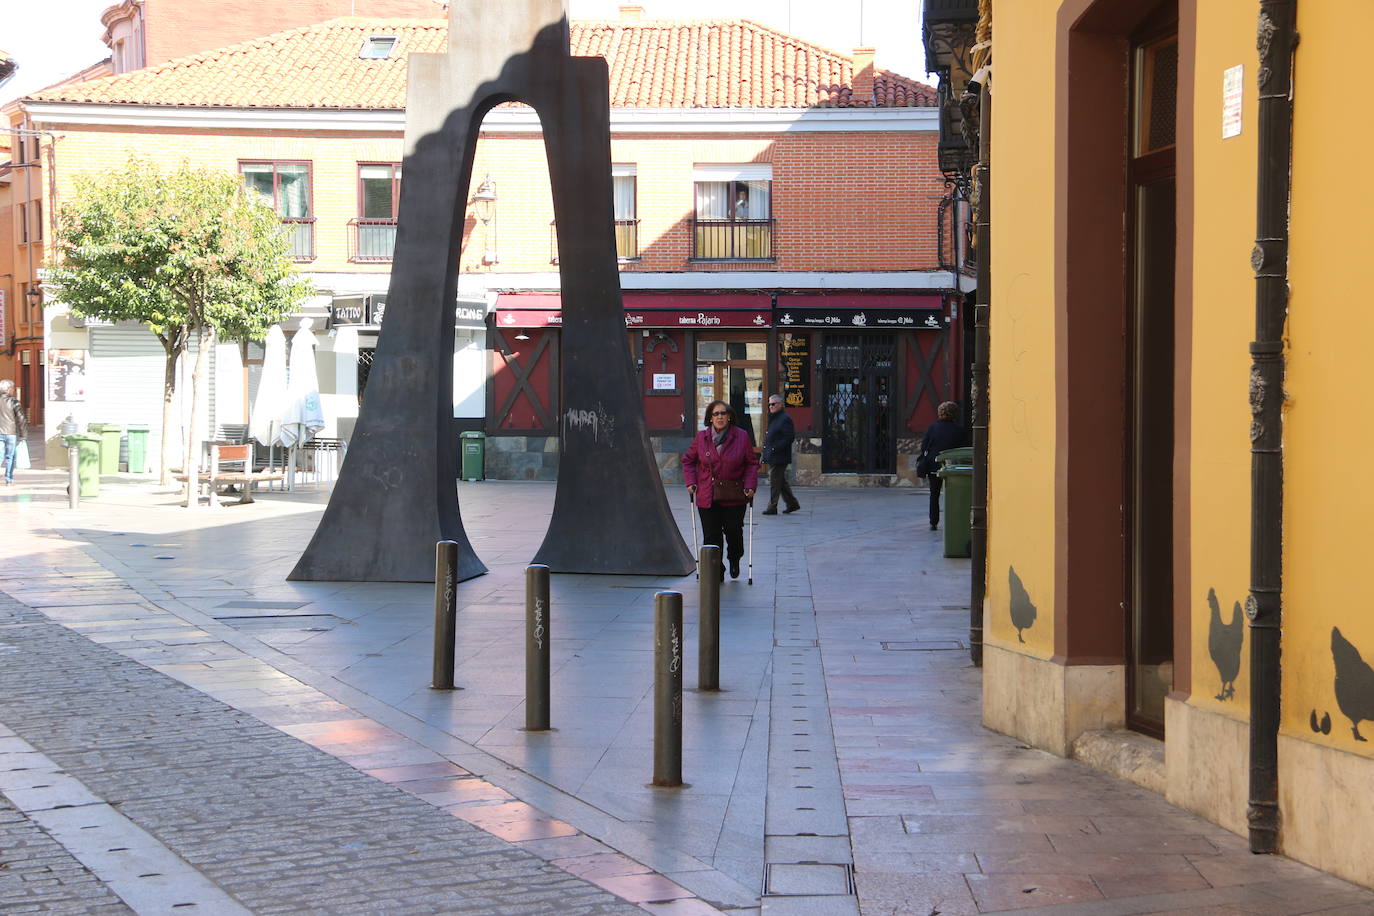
x=1328, y=435
x=1022, y=390
x=334, y=175
x=1222, y=327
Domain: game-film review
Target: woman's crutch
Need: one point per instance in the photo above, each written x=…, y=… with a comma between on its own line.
x=751, y=540
x=696, y=545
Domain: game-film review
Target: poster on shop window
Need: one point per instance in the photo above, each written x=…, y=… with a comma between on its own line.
x=66, y=375
x=794, y=352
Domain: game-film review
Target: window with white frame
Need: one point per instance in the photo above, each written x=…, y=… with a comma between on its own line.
x=734, y=212
x=379, y=200
x=623, y=187
x=287, y=186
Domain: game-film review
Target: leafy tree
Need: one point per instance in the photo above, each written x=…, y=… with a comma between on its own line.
x=193, y=254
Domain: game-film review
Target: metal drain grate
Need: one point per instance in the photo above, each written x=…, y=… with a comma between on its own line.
x=809, y=879
x=265, y=605
x=922, y=645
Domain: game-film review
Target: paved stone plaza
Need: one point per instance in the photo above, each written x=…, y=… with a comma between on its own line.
x=181, y=728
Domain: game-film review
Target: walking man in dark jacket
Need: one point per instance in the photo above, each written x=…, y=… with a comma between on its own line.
x=13, y=427
x=777, y=454
x=943, y=433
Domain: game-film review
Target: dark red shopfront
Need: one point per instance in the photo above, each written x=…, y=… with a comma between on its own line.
x=861, y=373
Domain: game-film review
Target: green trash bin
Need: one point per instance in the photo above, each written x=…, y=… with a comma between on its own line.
x=957, y=473
x=109, y=434
x=138, y=449
x=474, y=446
x=87, y=462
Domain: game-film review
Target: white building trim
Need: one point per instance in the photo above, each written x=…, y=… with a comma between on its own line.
x=499, y=120
x=482, y=284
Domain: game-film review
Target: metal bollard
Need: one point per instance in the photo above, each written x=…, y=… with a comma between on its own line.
x=668, y=688
x=537, y=641
x=708, y=621
x=73, y=477
x=445, y=613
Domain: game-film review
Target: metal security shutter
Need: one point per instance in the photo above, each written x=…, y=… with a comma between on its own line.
x=124, y=381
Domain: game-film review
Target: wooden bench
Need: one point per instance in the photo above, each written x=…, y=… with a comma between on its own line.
x=220, y=478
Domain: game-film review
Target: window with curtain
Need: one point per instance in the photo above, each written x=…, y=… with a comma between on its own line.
x=623, y=188
x=734, y=212
x=287, y=186
x=379, y=198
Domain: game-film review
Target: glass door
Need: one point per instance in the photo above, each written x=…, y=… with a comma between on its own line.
x=739, y=381
x=1150, y=430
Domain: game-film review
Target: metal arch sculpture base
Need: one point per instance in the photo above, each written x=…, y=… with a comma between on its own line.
x=397, y=491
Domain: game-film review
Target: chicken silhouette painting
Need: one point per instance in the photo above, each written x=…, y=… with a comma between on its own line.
x=1022, y=610
x=1223, y=643
x=1354, y=683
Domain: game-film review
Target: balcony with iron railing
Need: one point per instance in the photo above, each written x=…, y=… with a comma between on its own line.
x=372, y=239
x=300, y=232
x=732, y=239
x=626, y=240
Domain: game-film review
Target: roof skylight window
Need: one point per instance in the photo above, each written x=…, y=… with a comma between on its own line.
x=378, y=47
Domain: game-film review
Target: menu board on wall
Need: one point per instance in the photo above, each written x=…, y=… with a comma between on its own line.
x=794, y=351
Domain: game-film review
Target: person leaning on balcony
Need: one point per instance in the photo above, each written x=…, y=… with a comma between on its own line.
x=777, y=454
x=13, y=427
x=721, y=452
x=943, y=433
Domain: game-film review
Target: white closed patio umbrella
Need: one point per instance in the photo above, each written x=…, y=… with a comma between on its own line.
x=303, y=415
x=270, y=401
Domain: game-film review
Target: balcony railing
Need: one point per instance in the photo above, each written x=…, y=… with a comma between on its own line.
x=626, y=240
x=301, y=236
x=373, y=239
x=732, y=239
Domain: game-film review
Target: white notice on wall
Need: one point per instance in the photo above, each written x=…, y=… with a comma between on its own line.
x=664, y=382
x=1232, y=85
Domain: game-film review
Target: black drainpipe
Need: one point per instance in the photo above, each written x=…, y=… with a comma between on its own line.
x=978, y=552
x=1276, y=40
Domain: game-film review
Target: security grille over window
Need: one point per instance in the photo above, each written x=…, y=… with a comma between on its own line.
x=365, y=355
x=1158, y=95
x=858, y=380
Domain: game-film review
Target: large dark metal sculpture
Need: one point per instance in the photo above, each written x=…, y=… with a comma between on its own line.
x=397, y=494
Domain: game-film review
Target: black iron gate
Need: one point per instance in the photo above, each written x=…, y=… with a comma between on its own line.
x=858, y=379
x=365, y=357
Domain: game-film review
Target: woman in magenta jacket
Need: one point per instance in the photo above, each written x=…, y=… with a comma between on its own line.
x=721, y=451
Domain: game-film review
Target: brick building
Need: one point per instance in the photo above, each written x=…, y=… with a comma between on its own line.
x=138, y=33
x=776, y=206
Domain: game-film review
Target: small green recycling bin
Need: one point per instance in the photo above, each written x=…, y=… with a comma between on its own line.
x=474, y=446
x=87, y=462
x=957, y=473
x=109, y=434
x=138, y=449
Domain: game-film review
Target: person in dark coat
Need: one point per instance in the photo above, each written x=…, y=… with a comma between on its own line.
x=777, y=454
x=721, y=451
x=943, y=433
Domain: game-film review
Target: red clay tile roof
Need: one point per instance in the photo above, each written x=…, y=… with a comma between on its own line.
x=654, y=64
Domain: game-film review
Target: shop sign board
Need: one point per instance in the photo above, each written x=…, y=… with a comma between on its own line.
x=914, y=319
x=794, y=351
x=643, y=318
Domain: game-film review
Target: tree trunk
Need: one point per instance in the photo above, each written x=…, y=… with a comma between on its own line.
x=203, y=337
x=172, y=345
